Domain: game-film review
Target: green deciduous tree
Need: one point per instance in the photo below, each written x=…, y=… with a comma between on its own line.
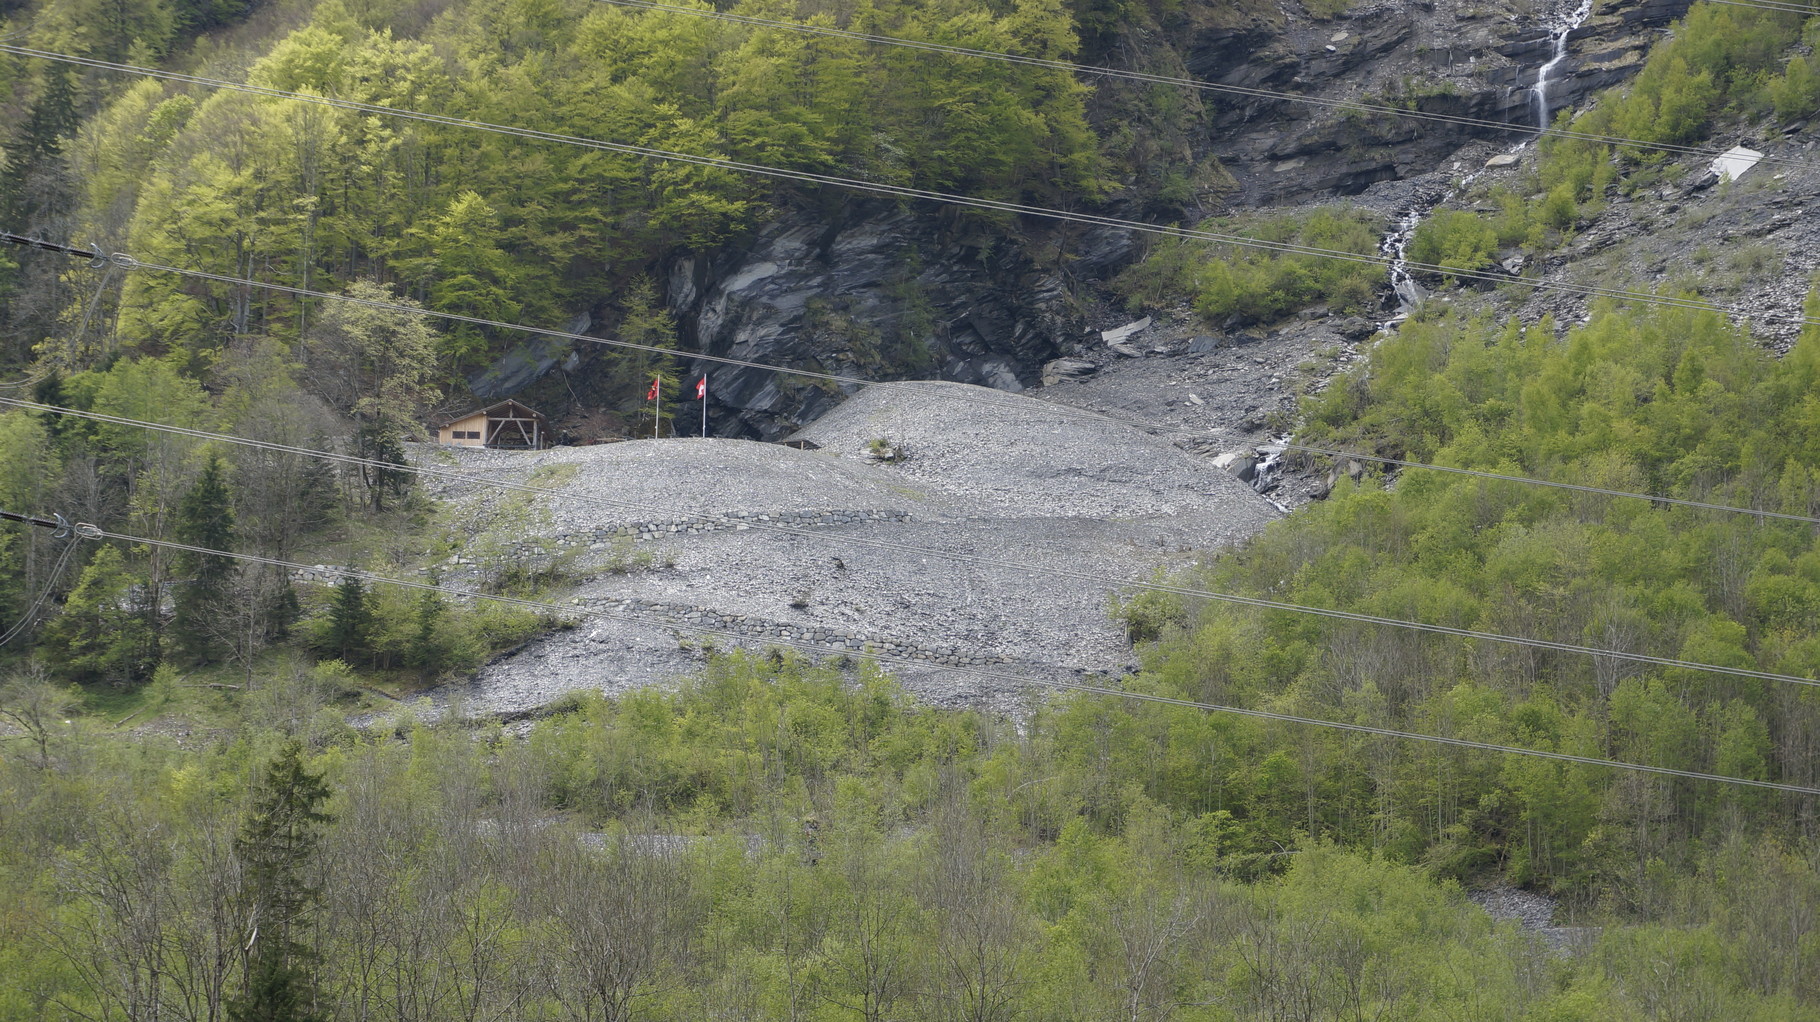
x=374, y=363
x=102, y=633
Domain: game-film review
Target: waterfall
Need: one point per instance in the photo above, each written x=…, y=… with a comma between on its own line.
x=1557, y=33
x=1396, y=243
x=1396, y=246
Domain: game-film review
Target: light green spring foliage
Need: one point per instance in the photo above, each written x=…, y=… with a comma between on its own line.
x=502, y=228
x=24, y=481
x=1258, y=284
x=1721, y=61
x=1667, y=401
x=774, y=841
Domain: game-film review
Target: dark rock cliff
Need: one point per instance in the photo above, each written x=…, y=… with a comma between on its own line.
x=1447, y=59
x=881, y=290
x=878, y=291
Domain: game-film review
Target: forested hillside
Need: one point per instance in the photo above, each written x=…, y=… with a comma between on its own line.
x=475, y=223
x=219, y=800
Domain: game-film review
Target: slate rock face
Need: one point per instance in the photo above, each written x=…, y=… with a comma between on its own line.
x=864, y=288
x=1449, y=59
x=873, y=291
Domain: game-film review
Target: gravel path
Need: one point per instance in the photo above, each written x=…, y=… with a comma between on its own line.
x=1006, y=479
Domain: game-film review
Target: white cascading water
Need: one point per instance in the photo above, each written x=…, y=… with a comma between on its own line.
x=1396, y=243
x=1396, y=246
x=1558, y=33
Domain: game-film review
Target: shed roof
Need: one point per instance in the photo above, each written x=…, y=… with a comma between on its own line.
x=507, y=409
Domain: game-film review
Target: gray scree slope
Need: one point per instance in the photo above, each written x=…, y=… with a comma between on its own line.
x=982, y=473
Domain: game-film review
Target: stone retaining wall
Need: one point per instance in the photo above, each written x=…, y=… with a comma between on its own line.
x=320, y=575
x=601, y=539
x=687, y=616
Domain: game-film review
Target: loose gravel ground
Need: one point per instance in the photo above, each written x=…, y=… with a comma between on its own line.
x=1534, y=913
x=982, y=474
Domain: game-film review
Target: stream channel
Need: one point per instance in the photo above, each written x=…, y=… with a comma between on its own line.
x=1396, y=244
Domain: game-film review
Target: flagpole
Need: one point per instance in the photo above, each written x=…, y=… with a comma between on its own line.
x=704, y=406
x=657, y=411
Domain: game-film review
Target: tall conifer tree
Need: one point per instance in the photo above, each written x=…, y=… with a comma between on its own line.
x=205, y=518
x=276, y=846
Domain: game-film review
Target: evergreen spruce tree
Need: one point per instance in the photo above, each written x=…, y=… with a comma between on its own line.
x=282, y=610
x=276, y=846
x=275, y=992
x=350, y=621
x=382, y=444
x=428, y=653
x=32, y=153
x=205, y=518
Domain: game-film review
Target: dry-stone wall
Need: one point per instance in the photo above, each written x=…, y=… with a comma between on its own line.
x=599, y=540
x=319, y=575
x=685, y=615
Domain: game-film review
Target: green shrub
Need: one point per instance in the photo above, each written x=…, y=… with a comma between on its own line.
x=1260, y=284
x=1797, y=92
x=1718, y=60
x=1455, y=239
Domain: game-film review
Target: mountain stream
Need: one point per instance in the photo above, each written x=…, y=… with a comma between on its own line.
x=1396, y=243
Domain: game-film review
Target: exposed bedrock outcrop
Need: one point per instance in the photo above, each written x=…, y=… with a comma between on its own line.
x=877, y=291
x=880, y=290
x=1450, y=59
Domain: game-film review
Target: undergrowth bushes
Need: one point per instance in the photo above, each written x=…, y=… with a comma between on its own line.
x=1259, y=284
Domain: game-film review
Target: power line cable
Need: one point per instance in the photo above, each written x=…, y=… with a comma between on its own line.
x=64, y=531
x=1343, y=105
x=983, y=396
x=1770, y=5
x=1000, y=675
x=968, y=559
x=50, y=583
x=923, y=194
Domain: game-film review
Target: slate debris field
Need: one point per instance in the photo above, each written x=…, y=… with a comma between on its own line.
x=980, y=473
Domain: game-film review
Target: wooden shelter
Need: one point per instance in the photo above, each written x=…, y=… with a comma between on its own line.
x=507, y=424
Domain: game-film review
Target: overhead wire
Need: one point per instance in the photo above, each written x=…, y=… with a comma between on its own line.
x=905, y=192
x=983, y=396
x=50, y=584
x=1094, y=70
x=1025, y=681
x=1643, y=297
x=1771, y=5
x=1079, y=687
x=973, y=560
x=1576, y=487
x=923, y=194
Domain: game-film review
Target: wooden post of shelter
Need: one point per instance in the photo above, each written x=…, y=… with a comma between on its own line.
x=507, y=424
